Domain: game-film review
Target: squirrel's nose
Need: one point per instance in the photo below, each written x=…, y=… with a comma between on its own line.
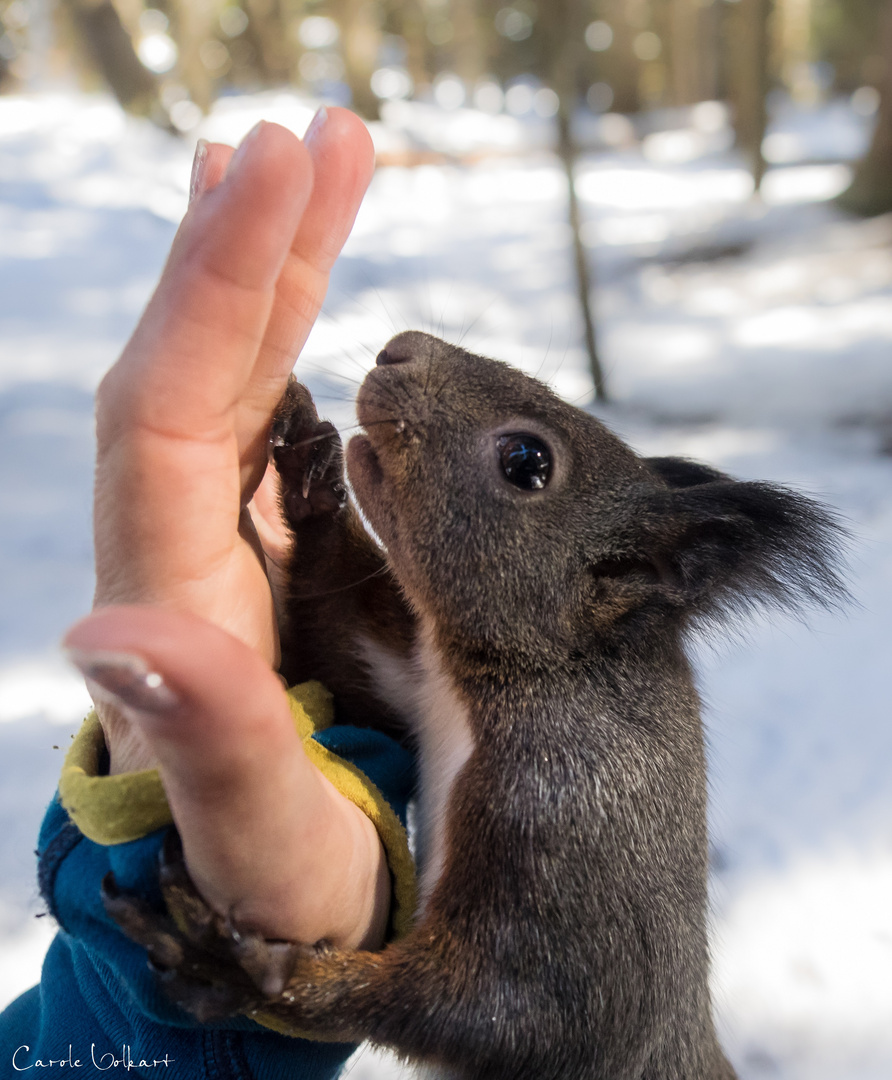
x=410, y=345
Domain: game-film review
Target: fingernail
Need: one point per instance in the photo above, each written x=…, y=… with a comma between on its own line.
x=196, y=183
x=124, y=680
x=311, y=135
x=240, y=152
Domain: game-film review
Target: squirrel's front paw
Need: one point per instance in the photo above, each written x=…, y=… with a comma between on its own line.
x=205, y=964
x=308, y=456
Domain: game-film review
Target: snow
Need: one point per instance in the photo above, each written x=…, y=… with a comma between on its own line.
x=752, y=333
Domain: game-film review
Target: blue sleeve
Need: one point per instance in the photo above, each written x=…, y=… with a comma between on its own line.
x=99, y=1008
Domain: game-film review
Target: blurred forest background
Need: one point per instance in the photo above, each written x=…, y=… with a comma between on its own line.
x=555, y=58
x=571, y=62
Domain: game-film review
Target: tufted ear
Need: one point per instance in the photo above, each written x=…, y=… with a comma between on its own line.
x=681, y=472
x=731, y=544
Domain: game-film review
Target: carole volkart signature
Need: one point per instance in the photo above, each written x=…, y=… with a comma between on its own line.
x=99, y=1059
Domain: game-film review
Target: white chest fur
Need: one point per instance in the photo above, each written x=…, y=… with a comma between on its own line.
x=421, y=690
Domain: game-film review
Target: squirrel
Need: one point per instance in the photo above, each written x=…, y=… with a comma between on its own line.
x=524, y=620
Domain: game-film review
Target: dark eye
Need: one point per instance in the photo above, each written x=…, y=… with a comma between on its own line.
x=525, y=461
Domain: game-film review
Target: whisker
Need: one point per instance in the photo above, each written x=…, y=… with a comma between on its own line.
x=385, y=394
x=387, y=311
x=377, y=423
x=442, y=323
x=354, y=299
x=547, y=349
x=554, y=374
x=343, y=588
x=303, y=371
x=427, y=319
x=350, y=380
x=338, y=323
x=341, y=431
x=279, y=441
x=465, y=332
x=586, y=397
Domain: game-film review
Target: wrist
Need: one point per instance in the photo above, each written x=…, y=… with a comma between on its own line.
x=322, y=877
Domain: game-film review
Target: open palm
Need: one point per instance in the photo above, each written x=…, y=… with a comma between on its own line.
x=182, y=428
x=183, y=416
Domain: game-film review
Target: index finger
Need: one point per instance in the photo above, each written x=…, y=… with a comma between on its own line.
x=343, y=160
x=189, y=360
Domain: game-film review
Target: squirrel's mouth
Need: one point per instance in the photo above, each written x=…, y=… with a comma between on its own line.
x=363, y=467
x=387, y=408
x=369, y=482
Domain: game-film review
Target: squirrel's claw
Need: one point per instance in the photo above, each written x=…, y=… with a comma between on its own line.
x=143, y=925
x=308, y=454
x=204, y=962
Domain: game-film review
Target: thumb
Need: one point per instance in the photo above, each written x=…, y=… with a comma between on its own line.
x=267, y=840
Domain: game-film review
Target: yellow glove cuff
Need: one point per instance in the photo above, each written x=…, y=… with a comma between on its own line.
x=117, y=809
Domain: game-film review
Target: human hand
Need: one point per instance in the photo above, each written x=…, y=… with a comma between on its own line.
x=182, y=425
x=183, y=416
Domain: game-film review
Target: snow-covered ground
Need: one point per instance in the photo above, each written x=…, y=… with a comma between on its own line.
x=755, y=334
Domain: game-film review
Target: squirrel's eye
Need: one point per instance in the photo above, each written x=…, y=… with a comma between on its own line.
x=525, y=461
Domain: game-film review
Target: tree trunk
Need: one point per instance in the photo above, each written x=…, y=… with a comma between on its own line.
x=584, y=283
x=710, y=51
x=870, y=192
x=684, y=54
x=748, y=47
x=562, y=25
x=468, y=53
x=193, y=25
x=620, y=66
x=794, y=46
x=277, y=50
x=693, y=48
x=360, y=28
x=106, y=40
x=412, y=26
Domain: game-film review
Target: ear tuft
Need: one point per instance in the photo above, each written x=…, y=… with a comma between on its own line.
x=737, y=544
x=681, y=472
